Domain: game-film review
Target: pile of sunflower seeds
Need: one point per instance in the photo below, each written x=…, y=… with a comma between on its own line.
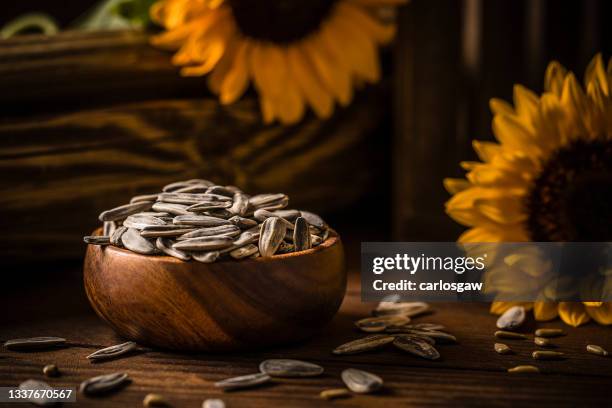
x=196, y=219
x=392, y=325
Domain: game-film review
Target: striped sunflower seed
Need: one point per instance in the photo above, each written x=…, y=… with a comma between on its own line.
x=263, y=214
x=115, y=239
x=176, y=209
x=112, y=351
x=225, y=230
x=272, y=233
x=301, y=235
x=200, y=220
x=138, y=221
x=192, y=189
x=103, y=383
x=97, y=239
x=512, y=318
x=244, y=381
x=133, y=241
x=210, y=205
x=361, y=382
x=38, y=393
x=381, y=323
x=595, y=349
x=124, y=211
x=221, y=190
x=290, y=368
x=501, y=348
x=240, y=205
x=409, y=309
x=416, y=345
x=244, y=252
x=165, y=245
x=34, y=343
x=368, y=343
x=203, y=243
x=313, y=219
x=144, y=198
x=269, y=201
x=167, y=231
x=205, y=257
x=108, y=228
x=242, y=223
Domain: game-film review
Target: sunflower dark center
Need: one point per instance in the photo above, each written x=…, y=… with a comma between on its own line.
x=570, y=200
x=279, y=21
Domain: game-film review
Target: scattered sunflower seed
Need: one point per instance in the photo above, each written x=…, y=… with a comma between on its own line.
x=595, y=349
x=409, y=309
x=381, y=323
x=549, y=332
x=97, y=239
x=103, y=383
x=501, y=348
x=34, y=343
x=547, y=355
x=543, y=342
x=524, y=369
x=290, y=368
x=245, y=381
x=416, y=345
x=335, y=393
x=364, y=344
x=512, y=318
x=213, y=403
x=154, y=400
x=361, y=382
x=35, y=386
x=113, y=351
x=501, y=334
x=51, y=370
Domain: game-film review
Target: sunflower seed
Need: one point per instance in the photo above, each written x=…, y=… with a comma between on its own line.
x=549, y=332
x=269, y=201
x=290, y=368
x=244, y=252
x=409, y=309
x=103, y=383
x=165, y=245
x=547, y=355
x=242, y=222
x=176, y=209
x=133, y=241
x=138, y=221
x=108, y=228
x=272, y=233
x=512, y=318
x=200, y=220
x=313, y=219
x=543, y=342
x=426, y=326
x=51, y=370
x=154, y=400
x=97, y=240
x=364, y=344
x=418, y=336
x=124, y=211
x=34, y=388
x=203, y=243
x=113, y=351
x=301, y=235
x=417, y=346
x=263, y=214
x=289, y=215
x=241, y=204
x=220, y=190
x=34, y=343
x=213, y=403
x=500, y=334
x=595, y=349
x=226, y=230
x=167, y=231
x=205, y=257
x=115, y=239
x=285, y=248
x=361, y=382
x=193, y=189
x=182, y=184
x=502, y=348
x=144, y=198
x=524, y=369
x=245, y=381
x=438, y=336
x=335, y=393
x=209, y=205
x=379, y=324
x=315, y=240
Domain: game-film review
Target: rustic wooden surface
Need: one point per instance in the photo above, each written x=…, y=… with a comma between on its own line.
x=469, y=373
x=205, y=307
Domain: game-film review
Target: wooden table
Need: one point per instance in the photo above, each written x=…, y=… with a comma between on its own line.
x=468, y=374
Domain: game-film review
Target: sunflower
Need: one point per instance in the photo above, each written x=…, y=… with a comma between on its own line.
x=547, y=178
x=296, y=53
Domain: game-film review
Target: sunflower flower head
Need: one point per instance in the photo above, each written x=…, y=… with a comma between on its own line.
x=546, y=178
x=295, y=53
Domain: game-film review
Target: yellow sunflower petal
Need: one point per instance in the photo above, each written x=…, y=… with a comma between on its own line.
x=377, y=3
x=236, y=81
x=481, y=234
x=573, y=313
x=507, y=210
x=596, y=73
x=382, y=33
x=554, y=77
x=526, y=103
x=486, y=150
x=334, y=78
x=501, y=107
x=454, y=185
x=544, y=311
x=310, y=84
x=601, y=314
x=358, y=48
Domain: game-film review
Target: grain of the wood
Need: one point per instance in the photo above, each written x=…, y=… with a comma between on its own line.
x=223, y=306
x=469, y=374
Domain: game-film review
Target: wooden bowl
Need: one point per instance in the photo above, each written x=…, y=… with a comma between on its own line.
x=228, y=305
